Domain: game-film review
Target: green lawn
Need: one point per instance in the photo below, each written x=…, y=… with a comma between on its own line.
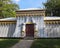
x=46, y=43
x=7, y=43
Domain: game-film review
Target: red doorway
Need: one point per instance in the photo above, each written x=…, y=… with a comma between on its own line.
x=29, y=30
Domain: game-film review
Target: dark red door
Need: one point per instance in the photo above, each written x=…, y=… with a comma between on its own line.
x=30, y=30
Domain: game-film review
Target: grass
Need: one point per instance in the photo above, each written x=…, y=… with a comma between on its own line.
x=7, y=43
x=46, y=43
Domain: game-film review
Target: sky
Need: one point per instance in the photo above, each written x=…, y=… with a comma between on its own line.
x=23, y=4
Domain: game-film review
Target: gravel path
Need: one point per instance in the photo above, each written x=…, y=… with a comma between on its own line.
x=23, y=44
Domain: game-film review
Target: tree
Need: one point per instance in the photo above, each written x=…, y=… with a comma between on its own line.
x=7, y=8
x=53, y=7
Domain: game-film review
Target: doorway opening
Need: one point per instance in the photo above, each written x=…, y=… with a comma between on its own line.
x=29, y=30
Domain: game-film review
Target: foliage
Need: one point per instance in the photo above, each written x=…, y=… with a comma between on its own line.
x=7, y=8
x=53, y=6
